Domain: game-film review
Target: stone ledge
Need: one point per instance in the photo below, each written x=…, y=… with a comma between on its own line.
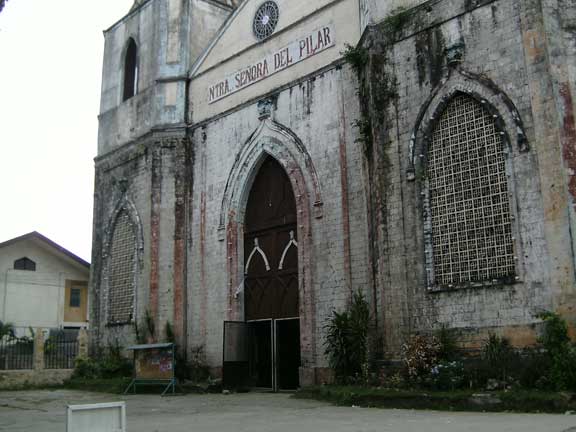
x=15, y=379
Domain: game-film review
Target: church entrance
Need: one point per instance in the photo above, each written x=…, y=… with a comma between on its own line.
x=269, y=339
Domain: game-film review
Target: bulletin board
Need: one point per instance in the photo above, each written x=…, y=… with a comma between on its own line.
x=153, y=365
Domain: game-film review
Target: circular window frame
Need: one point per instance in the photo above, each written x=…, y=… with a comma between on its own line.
x=265, y=20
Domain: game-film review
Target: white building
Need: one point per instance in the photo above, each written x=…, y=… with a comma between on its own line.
x=42, y=284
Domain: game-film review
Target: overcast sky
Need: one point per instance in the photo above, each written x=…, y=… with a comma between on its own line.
x=50, y=68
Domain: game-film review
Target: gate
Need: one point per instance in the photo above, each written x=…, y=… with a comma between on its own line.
x=262, y=354
x=61, y=349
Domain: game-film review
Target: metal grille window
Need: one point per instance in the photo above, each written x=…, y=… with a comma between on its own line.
x=468, y=198
x=121, y=271
x=265, y=20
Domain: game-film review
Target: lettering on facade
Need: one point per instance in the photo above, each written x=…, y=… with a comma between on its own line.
x=297, y=51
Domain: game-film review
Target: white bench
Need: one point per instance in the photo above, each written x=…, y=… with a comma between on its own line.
x=103, y=417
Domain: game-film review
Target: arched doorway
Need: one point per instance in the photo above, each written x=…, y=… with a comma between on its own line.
x=270, y=335
x=271, y=304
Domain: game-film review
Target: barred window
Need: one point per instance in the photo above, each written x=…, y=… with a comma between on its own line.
x=121, y=271
x=471, y=221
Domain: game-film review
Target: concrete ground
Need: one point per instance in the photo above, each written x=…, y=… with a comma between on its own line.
x=44, y=411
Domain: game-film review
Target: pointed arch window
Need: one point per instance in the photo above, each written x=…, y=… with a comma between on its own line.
x=122, y=271
x=130, y=70
x=24, y=264
x=469, y=221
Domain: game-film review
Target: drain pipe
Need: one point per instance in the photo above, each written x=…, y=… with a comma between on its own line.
x=5, y=295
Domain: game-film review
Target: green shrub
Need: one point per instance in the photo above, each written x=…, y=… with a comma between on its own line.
x=420, y=355
x=337, y=344
x=447, y=376
x=356, y=56
x=555, y=336
x=198, y=370
x=169, y=333
x=108, y=363
x=346, y=343
x=448, y=348
x=116, y=367
x=533, y=370
x=499, y=356
x=6, y=329
x=86, y=368
x=560, y=351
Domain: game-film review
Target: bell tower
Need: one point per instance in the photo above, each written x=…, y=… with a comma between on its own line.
x=142, y=163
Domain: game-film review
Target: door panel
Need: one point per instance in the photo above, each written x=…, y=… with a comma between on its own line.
x=271, y=297
x=236, y=355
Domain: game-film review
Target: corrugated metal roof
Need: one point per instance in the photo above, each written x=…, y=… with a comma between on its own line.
x=150, y=346
x=37, y=236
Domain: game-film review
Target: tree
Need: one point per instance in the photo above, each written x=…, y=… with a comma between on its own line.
x=6, y=329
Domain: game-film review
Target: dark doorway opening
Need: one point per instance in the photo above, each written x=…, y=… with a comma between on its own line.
x=287, y=352
x=263, y=354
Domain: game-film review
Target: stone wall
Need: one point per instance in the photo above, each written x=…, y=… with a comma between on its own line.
x=149, y=180
x=497, y=52
x=12, y=380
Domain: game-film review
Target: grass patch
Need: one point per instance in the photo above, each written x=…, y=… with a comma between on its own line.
x=461, y=400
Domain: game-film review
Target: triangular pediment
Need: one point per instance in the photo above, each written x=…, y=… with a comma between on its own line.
x=237, y=35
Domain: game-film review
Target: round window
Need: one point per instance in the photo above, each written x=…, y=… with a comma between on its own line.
x=265, y=20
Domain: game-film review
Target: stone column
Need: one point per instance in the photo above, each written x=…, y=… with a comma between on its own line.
x=82, y=343
x=39, y=349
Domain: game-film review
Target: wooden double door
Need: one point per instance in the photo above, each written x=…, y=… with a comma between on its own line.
x=271, y=247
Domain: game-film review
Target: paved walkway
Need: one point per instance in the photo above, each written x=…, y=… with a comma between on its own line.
x=44, y=411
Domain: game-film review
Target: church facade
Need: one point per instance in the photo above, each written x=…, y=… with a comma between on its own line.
x=261, y=161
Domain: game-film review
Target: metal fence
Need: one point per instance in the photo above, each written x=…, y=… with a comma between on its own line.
x=16, y=353
x=61, y=349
